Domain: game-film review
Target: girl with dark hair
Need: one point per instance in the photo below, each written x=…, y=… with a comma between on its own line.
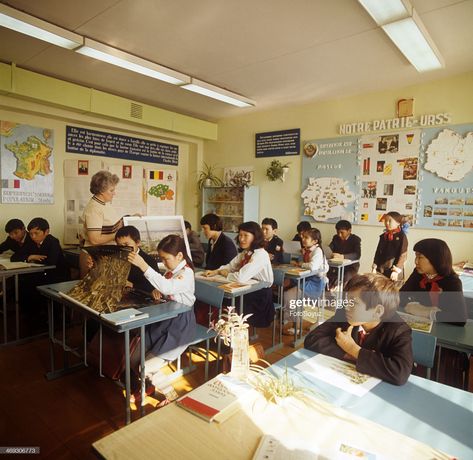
x=166, y=340
x=252, y=263
x=391, y=253
x=313, y=259
x=434, y=290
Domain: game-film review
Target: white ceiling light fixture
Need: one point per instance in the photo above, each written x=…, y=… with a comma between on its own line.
x=37, y=28
x=404, y=27
x=206, y=89
x=128, y=61
x=413, y=40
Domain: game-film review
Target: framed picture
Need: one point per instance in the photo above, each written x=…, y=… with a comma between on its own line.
x=126, y=171
x=83, y=167
x=154, y=228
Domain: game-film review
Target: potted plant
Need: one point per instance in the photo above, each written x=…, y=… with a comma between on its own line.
x=208, y=178
x=277, y=170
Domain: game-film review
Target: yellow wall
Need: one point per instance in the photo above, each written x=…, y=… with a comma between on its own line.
x=37, y=114
x=236, y=138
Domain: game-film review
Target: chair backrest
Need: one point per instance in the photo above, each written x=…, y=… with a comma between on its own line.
x=286, y=258
x=423, y=348
x=209, y=293
x=278, y=276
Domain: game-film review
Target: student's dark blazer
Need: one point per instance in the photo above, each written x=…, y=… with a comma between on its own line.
x=451, y=299
x=223, y=252
x=11, y=245
x=137, y=277
x=386, y=352
x=51, y=248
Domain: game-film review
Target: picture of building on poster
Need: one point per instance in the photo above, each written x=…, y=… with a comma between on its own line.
x=26, y=163
x=327, y=198
x=447, y=178
x=389, y=165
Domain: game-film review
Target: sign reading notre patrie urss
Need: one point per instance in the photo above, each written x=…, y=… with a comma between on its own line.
x=278, y=143
x=100, y=143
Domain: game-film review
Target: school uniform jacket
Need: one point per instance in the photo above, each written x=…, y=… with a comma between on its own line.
x=12, y=245
x=386, y=352
x=221, y=253
x=136, y=276
x=350, y=248
x=389, y=253
x=197, y=251
x=51, y=248
x=275, y=247
x=451, y=300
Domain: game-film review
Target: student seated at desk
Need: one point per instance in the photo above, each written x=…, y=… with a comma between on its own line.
x=17, y=236
x=313, y=259
x=368, y=331
x=348, y=245
x=221, y=249
x=166, y=340
x=302, y=226
x=195, y=245
x=130, y=236
x=434, y=290
x=272, y=243
x=252, y=263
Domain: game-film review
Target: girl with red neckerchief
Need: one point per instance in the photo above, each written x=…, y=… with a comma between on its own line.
x=391, y=252
x=434, y=290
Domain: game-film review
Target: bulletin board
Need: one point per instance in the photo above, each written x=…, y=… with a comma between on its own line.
x=425, y=174
x=140, y=190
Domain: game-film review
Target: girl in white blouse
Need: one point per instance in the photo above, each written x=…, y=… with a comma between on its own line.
x=313, y=259
x=252, y=263
x=166, y=340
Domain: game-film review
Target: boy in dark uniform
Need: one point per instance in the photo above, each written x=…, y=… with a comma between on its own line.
x=17, y=236
x=272, y=243
x=346, y=244
x=368, y=331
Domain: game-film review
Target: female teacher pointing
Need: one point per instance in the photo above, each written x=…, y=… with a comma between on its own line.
x=101, y=220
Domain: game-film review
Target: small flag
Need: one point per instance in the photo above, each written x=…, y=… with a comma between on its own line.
x=409, y=138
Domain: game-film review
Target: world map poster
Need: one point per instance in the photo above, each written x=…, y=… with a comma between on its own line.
x=26, y=164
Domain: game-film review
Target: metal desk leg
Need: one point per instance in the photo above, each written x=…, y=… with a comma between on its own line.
x=64, y=345
x=4, y=287
x=127, y=377
x=143, y=373
x=51, y=335
x=85, y=340
x=17, y=309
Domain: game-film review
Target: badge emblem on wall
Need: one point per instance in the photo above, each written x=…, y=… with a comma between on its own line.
x=310, y=149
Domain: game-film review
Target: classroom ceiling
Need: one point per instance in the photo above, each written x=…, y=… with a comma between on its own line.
x=276, y=52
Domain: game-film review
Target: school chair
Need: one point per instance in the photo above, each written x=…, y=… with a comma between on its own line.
x=278, y=304
x=286, y=258
x=213, y=296
x=423, y=348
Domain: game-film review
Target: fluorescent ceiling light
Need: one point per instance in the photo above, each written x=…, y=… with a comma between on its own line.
x=411, y=37
x=384, y=11
x=220, y=94
x=37, y=28
x=119, y=58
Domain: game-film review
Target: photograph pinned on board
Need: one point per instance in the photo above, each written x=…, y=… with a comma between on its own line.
x=409, y=206
x=126, y=171
x=456, y=201
x=469, y=201
x=83, y=167
x=440, y=222
x=455, y=223
x=455, y=212
x=388, y=189
x=380, y=166
x=441, y=201
x=428, y=211
x=468, y=224
x=410, y=190
x=381, y=204
x=369, y=189
x=366, y=166
x=440, y=211
x=409, y=171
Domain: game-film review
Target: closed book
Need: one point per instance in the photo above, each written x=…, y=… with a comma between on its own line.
x=234, y=286
x=124, y=316
x=216, y=399
x=416, y=323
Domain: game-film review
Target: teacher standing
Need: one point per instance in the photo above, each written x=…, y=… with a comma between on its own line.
x=101, y=220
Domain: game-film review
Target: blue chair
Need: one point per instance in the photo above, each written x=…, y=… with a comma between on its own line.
x=212, y=295
x=423, y=348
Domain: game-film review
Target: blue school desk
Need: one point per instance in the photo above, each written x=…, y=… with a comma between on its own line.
x=429, y=412
x=157, y=313
x=4, y=274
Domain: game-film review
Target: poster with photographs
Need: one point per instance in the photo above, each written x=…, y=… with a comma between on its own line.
x=389, y=165
x=238, y=176
x=446, y=178
x=77, y=175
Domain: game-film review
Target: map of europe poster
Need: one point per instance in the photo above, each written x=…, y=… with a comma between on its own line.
x=26, y=165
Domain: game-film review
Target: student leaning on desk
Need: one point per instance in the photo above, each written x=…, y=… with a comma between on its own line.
x=368, y=331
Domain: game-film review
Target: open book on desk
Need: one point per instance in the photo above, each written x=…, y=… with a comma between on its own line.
x=416, y=323
x=6, y=264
